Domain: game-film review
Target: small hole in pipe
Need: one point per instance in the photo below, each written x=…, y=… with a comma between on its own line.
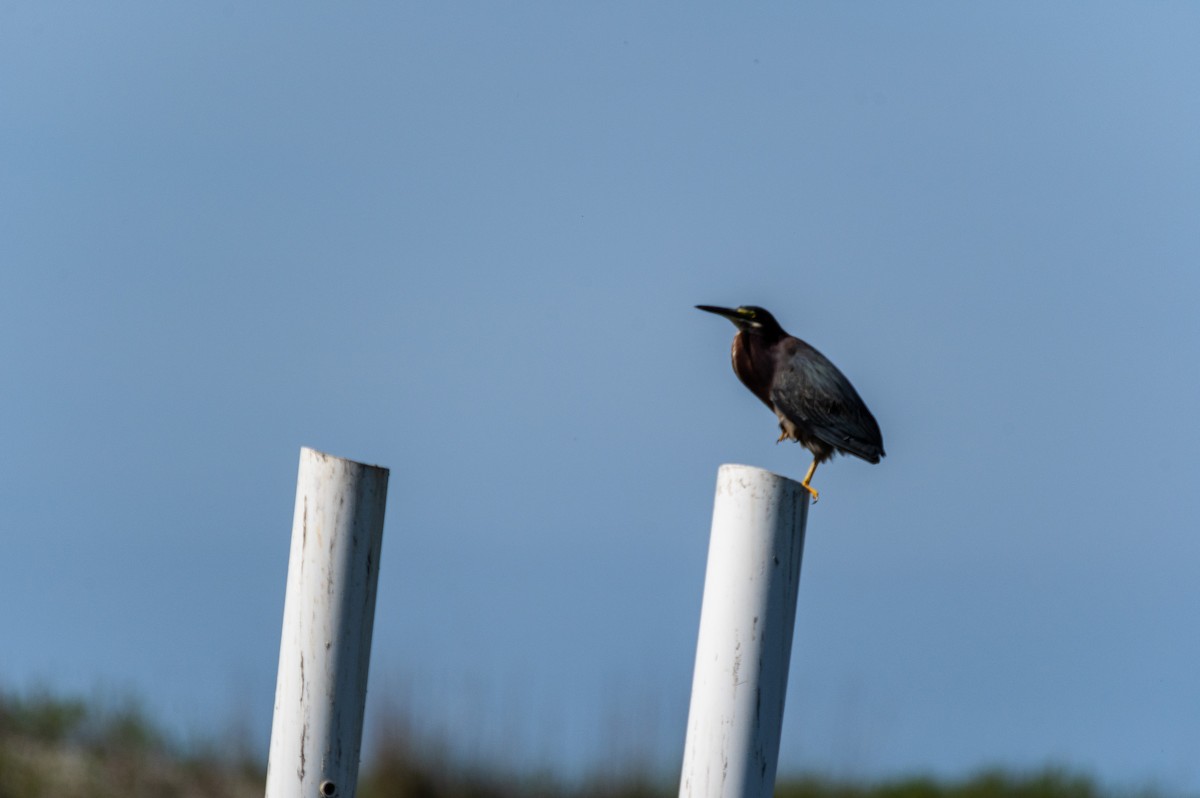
x=328, y=789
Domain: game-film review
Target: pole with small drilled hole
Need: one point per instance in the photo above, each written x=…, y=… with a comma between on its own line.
x=328, y=615
x=745, y=641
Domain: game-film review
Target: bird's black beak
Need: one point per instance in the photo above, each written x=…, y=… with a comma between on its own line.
x=728, y=313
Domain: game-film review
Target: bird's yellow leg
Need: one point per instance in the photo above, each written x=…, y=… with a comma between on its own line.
x=782, y=436
x=812, y=469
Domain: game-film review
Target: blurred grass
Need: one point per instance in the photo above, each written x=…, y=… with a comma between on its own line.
x=53, y=747
x=1048, y=783
x=67, y=747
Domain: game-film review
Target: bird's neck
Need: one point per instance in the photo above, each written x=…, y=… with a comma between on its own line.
x=753, y=362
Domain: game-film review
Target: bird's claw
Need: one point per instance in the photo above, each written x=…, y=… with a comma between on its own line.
x=811, y=490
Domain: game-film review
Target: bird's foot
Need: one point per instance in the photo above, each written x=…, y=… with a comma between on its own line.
x=782, y=437
x=812, y=469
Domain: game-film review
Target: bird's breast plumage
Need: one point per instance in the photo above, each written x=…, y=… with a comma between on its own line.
x=753, y=364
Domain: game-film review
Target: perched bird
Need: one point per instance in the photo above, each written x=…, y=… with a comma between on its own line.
x=816, y=405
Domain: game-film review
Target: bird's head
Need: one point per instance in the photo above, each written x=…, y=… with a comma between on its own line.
x=748, y=318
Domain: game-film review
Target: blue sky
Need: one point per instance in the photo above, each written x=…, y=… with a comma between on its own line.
x=464, y=241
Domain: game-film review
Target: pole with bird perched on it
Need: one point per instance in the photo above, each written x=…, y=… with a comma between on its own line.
x=745, y=642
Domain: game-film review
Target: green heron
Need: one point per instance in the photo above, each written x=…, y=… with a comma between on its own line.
x=816, y=405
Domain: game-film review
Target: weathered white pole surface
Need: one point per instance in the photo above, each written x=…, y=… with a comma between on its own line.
x=745, y=641
x=328, y=615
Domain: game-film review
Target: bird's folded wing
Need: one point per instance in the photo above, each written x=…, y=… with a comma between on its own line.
x=812, y=392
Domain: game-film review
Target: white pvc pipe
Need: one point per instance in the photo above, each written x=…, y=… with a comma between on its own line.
x=328, y=615
x=745, y=641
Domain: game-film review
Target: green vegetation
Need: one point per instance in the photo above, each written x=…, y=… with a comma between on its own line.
x=1049, y=783
x=68, y=748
